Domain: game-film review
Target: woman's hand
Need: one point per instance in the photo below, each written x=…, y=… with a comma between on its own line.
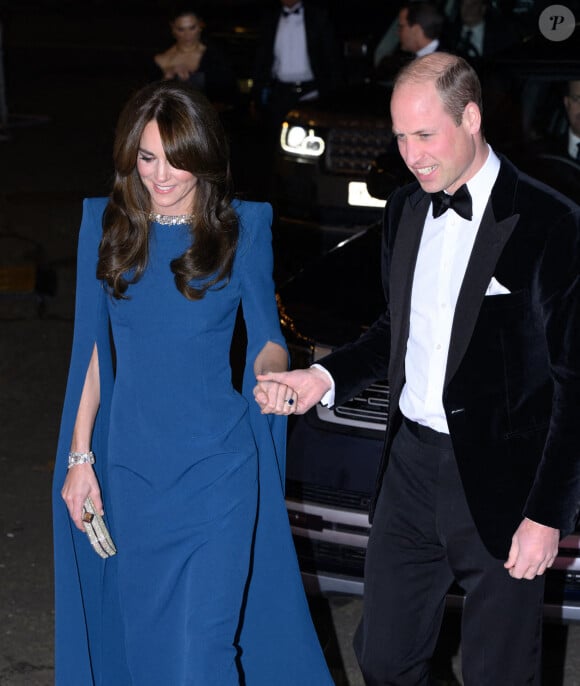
x=272, y=396
x=80, y=483
x=308, y=385
x=275, y=398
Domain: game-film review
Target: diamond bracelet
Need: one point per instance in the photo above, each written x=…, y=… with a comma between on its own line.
x=80, y=458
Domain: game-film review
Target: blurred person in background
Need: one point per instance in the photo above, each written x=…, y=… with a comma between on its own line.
x=480, y=31
x=194, y=59
x=572, y=106
x=298, y=58
x=419, y=29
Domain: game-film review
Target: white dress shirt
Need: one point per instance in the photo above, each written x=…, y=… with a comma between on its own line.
x=573, y=142
x=428, y=49
x=475, y=36
x=444, y=251
x=291, y=63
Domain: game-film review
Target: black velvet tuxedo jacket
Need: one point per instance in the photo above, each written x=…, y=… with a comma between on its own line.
x=322, y=45
x=512, y=387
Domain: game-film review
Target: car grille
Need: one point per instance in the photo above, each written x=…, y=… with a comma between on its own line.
x=371, y=405
x=321, y=556
x=318, y=557
x=351, y=151
x=321, y=495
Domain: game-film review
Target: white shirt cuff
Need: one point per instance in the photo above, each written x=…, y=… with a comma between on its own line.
x=328, y=398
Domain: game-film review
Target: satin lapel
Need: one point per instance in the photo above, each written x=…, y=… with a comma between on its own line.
x=489, y=243
x=402, y=268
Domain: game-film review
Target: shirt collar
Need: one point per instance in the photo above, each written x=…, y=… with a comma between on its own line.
x=481, y=184
x=573, y=141
x=428, y=49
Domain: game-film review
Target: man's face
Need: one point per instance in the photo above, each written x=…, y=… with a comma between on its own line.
x=572, y=105
x=440, y=153
x=407, y=33
x=472, y=12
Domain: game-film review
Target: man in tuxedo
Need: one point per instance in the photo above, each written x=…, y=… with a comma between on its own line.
x=480, y=31
x=298, y=58
x=480, y=342
x=420, y=25
x=572, y=106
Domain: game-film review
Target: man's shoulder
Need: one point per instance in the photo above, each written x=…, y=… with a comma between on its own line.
x=314, y=13
x=528, y=192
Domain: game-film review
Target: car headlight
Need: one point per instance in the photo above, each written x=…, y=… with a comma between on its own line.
x=298, y=140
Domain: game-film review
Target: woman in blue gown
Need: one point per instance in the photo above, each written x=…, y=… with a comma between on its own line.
x=205, y=588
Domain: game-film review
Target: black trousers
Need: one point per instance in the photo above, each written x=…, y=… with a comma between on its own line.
x=422, y=538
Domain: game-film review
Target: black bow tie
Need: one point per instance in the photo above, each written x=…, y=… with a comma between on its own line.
x=287, y=13
x=460, y=201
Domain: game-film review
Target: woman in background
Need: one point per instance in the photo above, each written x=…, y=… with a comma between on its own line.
x=195, y=60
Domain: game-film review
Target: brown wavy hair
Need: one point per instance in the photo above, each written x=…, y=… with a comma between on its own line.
x=193, y=140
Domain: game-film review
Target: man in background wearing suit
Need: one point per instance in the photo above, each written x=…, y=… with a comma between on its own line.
x=480, y=342
x=480, y=31
x=298, y=58
x=572, y=106
x=419, y=28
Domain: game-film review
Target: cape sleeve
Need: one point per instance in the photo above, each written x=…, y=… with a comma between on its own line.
x=277, y=625
x=260, y=314
x=79, y=572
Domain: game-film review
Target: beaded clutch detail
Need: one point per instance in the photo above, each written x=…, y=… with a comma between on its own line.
x=97, y=531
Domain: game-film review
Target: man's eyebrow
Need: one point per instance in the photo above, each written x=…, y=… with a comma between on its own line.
x=419, y=132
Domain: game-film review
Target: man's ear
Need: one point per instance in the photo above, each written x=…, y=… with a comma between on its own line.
x=472, y=117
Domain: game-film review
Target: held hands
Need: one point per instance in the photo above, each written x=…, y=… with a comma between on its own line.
x=80, y=483
x=304, y=386
x=274, y=397
x=534, y=549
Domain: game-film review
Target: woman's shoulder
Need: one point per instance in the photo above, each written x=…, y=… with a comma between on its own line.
x=248, y=210
x=92, y=221
x=95, y=206
x=255, y=219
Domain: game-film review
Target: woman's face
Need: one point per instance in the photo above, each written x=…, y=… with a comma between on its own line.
x=186, y=30
x=171, y=190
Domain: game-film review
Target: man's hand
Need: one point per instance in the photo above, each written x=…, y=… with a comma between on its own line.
x=275, y=398
x=308, y=384
x=534, y=549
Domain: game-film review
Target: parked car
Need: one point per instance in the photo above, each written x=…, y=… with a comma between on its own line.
x=333, y=454
x=329, y=146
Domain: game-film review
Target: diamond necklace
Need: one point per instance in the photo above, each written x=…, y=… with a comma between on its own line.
x=170, y=219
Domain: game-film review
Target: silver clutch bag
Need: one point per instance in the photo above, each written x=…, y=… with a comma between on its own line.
x=97, y=531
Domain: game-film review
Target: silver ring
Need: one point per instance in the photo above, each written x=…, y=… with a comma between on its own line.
x=290, y=401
